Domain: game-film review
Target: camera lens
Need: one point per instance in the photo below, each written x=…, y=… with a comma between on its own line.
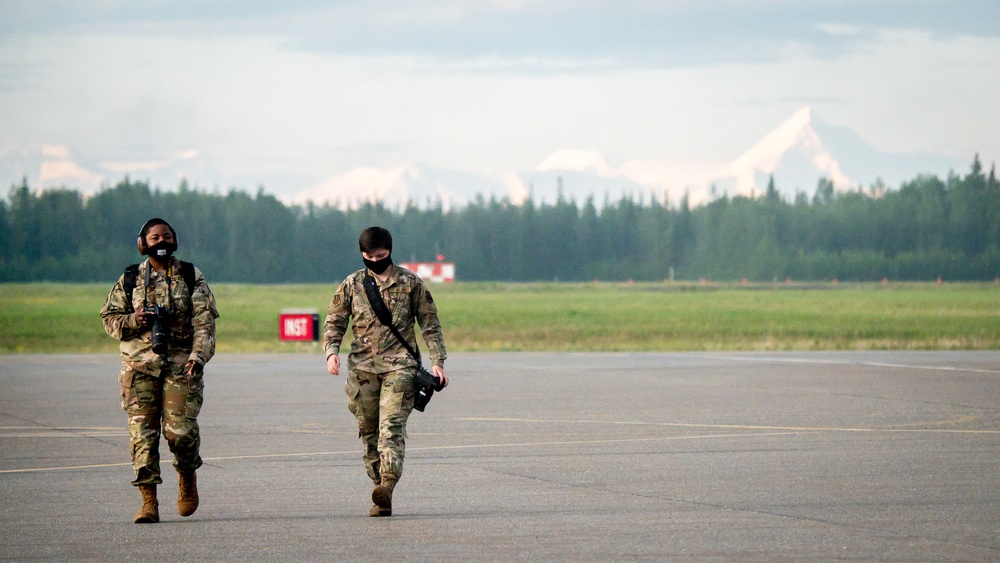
x=422, y=397
x=159, y=332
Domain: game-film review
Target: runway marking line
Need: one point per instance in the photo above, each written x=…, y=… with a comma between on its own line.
x=846, y=363
x=426, y=448
x=60, y=428
x=60, y=431
x=769, y=431
x=737, y=426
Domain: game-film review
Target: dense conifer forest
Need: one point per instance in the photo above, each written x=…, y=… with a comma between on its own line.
x=924, y=229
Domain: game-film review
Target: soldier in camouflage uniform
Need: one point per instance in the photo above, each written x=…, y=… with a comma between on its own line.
x=380, y=385
x=162, y=391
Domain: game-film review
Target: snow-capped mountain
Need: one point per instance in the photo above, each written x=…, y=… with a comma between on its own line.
x=793, y=153
x=420, y=185
x=567, y=174
x=804, y=149
x=425, y=186
x=797, y=153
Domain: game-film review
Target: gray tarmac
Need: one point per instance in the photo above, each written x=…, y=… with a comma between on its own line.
x=530, y=456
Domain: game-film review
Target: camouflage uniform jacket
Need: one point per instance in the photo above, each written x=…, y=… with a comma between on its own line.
x=192, y=319
x=374, y=349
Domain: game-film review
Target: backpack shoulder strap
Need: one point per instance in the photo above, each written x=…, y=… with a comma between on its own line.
x=128, y=281
x=187, y=272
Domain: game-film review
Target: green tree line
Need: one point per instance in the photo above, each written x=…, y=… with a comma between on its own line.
x=927, y=228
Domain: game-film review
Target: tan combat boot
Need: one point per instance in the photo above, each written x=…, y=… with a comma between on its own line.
x=382, y=497
x=150, y=511
x=187, y=493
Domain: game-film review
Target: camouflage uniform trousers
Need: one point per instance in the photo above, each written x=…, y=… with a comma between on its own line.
x=172, y=397
x=381, y=402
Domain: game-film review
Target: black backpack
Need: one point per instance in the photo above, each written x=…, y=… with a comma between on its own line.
x=128, y=281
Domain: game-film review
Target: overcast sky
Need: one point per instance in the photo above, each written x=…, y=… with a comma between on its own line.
x=287, y=93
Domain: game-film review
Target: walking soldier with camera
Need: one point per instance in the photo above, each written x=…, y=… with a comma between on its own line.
x=163, y=312
x=386, y=379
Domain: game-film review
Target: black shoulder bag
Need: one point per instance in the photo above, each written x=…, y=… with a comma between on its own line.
x=427, y=384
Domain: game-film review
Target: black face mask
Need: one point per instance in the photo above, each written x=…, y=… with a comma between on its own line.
x=161, y=250
x=378, y=266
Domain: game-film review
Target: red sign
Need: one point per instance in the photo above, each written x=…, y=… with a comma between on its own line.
x=432, y=271
x=298, y=325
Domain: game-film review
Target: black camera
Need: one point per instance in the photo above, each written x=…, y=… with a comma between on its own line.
x=427, y=384
x=161, y=322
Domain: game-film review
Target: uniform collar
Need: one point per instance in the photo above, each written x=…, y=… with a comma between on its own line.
x=389, y=281
x=171, y=265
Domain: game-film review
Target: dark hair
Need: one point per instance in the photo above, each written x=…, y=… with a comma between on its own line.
x=374, y=238
x=152, y=223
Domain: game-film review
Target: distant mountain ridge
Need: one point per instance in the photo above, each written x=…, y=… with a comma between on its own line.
x=804, y=149
x=797, y=153
x=793, y=153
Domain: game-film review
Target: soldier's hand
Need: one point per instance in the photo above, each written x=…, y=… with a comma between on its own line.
x=142, y=318
x=193, y=367
x=438, y=372
x=333, y=364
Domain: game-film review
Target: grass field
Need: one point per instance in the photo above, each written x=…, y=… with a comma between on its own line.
x=44, y=318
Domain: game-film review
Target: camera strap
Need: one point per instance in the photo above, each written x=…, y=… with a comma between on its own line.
x=132, y=272
x=385, y=316
x=149, y=273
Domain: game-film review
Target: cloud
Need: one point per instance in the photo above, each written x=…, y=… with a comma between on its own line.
x=55, y=151
x=357, y=187
x=287, y=94
x=67, y=173
x=577, y=161
x=554, y=36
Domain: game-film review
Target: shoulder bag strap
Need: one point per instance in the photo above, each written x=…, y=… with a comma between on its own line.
x=384, y=316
